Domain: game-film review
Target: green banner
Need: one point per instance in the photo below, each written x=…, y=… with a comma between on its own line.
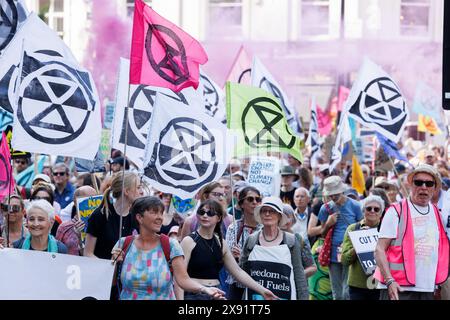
x=258, y=123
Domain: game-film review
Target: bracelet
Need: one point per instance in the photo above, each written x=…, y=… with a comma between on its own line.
x=389, y=282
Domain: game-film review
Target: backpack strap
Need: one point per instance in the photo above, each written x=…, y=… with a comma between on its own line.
x=126, y=246
x=300, y=239
x=357, y=226
x=165, y=244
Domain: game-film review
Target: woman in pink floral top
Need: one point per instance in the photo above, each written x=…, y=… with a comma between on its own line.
x=145, y=273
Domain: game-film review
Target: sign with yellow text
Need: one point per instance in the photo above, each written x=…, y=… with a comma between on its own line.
x=85, y=207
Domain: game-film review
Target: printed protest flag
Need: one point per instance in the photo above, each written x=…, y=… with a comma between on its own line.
x=375, y=101
x=13, y=14
x=358, y=182
x=185, y=150
x=139, y=109
x=343, y=136
x=6, y=119
x=313, y=136
x=214, y=97
x=390, y=148
x=58, y=110
x=324, y=122
x=162, y=54
x=428, y=124
x=258, y=121
x=262, y=78
x=7, y=183
x=241, y=68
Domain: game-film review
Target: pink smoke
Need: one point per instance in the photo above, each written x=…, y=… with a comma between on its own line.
x=110, y=39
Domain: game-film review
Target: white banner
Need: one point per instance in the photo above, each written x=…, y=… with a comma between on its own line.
x=264, y=175
x=36, y=275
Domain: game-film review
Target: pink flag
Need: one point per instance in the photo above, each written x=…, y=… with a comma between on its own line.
x=6, y=177
x=342, y=96
x=324, y=122
x=240, y=71
x=162, y=54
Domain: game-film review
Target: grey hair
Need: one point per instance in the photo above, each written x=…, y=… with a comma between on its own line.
x=305, y=190
x=373, y=198
x=42, y=205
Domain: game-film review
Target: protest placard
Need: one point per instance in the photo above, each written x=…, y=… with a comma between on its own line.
x=364, y=241
x=264, y=174
x=85, y=207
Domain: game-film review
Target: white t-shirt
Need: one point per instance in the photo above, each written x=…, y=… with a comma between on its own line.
x=426, y=243
x=444, y=208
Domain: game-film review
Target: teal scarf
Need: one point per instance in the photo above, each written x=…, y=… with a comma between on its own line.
x=52, y=244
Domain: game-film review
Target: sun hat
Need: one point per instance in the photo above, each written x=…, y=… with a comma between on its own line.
x=42, y=177
x=276, y=204
x=426, y=168
x=333, y=185
x=288, y=171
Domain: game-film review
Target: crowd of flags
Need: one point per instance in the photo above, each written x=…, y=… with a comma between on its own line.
x=172, y=120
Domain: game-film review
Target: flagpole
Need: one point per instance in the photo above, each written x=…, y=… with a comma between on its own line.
x=232, y=203
x=9, y=195
x=398, y=178
x=124, y=157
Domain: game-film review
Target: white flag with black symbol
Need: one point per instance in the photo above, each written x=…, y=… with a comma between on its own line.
x=214, y=98
x=57, y=110
x=262, y=78
x=313, y=137
x=13, y=16
x=343, y=135
x=139, y=109
x=185, y=150
x=376, y=102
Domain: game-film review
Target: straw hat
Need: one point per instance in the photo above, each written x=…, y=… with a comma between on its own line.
x=426, y=168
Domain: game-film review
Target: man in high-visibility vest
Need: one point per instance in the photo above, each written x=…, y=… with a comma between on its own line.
x=412, y=252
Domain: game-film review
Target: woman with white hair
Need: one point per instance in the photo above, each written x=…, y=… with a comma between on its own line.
x=40, y=219
x=272, y=256
x=372, y=207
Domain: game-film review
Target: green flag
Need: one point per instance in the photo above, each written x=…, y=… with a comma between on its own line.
x=258, y=122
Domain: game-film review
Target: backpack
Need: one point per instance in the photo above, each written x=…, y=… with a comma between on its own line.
x=165, y=244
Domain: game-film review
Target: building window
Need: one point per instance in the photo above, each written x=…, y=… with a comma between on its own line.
x=414, y=18
x=315, y=18
x=225, y=18
x=58, y=6
x=130, y=7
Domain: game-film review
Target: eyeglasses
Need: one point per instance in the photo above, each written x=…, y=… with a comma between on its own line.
x=209, y=213
x=427, y=183
x=42, y=198
x=20, y=161
x=59, y=174
x=266, y=210
x=218, y=194
x=10, y=208
x=374, y=209
x=251, y=199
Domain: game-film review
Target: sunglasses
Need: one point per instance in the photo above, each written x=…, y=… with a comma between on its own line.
x=59, y=174
x=427, y=183
x=209, y=213
x=42, y=198
x=20, y=161
x=374, y=209
x=10, y=208
x=251, y=199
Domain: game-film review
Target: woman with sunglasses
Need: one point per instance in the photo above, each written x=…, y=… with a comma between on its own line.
x=215, y=191
x=13, y=229
x=238, y=232
x=206, y=254
x=372, y=207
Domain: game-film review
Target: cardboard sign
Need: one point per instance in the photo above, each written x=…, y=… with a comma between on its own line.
x=365, y=241
x=264, y=175
x=85, y=207
x=37, y=275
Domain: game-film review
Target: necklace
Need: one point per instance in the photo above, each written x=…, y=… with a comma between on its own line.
x=422, y=213
x=264, y=236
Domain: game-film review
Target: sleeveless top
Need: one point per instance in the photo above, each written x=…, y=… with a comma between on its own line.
x=206, y=258
x=165, y=229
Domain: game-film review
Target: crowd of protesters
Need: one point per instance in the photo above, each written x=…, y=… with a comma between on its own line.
x=215, y=252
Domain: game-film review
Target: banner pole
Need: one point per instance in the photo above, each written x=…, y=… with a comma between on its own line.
x=124, y=158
